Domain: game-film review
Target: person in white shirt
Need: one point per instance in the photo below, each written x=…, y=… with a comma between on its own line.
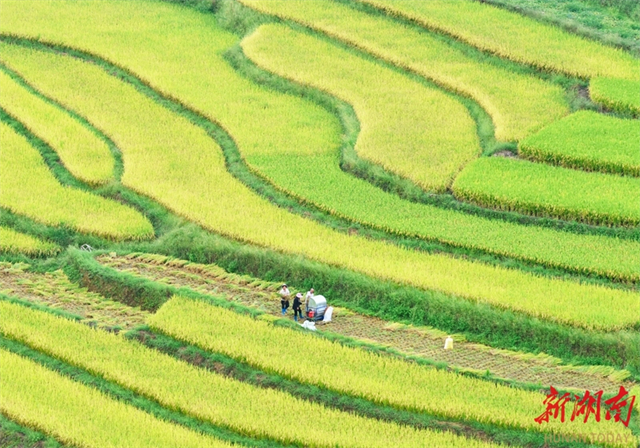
x=307, y=297
x=284, y=298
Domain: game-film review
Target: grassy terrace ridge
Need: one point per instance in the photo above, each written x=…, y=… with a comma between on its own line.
x=180, y=386
x=518, y=104
x=86, y=156
x=17, y=242
x=344, y=369
x=197, y=165
x=540, y=189
x=29, y=188
x=432, y=136
x=589, y=141
x=580, y=253
x=41, y=398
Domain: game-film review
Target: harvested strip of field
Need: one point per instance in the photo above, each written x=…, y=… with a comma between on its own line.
x=518, y=104
x=85, y=155
x=410, y=129
x=516, y=37
x=539, y=189
x=263, y=123
x=428, y=343
x=205, y=395
x=348, y=370
x=588, y=140
x=176, y=163
x=621, y=95
x=21, y=243
x=54, y=290
x=29, y=188
x=82, y=416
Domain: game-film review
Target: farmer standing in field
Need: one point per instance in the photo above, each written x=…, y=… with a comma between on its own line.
x=284, y=298
x=307, y=298
x=297, y=301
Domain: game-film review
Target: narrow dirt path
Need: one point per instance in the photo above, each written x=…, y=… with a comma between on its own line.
x=54, y=290
x=424, y=342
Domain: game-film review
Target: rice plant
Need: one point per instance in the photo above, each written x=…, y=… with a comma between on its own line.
x=516, y=37
x=348, y=370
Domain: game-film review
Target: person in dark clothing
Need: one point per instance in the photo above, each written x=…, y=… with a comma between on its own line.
x=297, y=302
x=284, y=298
x=284, y=301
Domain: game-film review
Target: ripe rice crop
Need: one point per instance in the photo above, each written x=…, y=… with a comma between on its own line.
x=28, y=188
x=588, y=140
x=353, y=371
x=415, y=131
x=518, y=104
x=16, y=242
x=620, y=95
x=303, y=136
x=82, y=416
x=516, y=37
x=177, y=164
x=86, y=156
x=540, y=189
x=256, y=412
x=265, y=123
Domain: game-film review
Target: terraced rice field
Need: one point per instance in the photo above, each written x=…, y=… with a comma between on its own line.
x=330, y=188
x=518, y=105
x=424, y=342
x=167, y=166
x=29, y=188
x=430, y=150
x=187, y=182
